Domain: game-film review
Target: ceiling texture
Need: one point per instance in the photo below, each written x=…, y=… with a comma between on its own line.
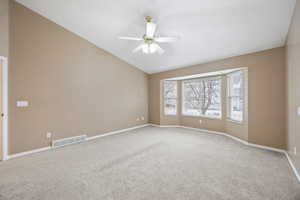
x=208, y=29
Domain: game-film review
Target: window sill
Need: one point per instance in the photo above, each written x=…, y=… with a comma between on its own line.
x=201, y=116
x=170, y=115
x=235, y=121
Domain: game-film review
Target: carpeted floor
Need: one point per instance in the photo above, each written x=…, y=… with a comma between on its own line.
x=151, y=164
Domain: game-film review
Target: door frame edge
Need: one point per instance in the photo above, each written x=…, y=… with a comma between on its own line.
x=5, y=108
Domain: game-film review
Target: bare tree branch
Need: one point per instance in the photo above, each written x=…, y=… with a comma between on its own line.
x=203, y=93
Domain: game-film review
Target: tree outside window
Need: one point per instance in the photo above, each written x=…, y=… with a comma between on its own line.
x=202, y=97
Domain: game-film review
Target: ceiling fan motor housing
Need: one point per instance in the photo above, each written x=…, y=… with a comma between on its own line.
x=148, y=40
x=148, y=19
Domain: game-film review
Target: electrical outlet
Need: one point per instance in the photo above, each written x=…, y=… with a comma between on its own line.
x=200, y=121
x=295, y=150
x=48, y=135
x=142, y=118
x=137, y=119
x=22, y=103
x=298, y=111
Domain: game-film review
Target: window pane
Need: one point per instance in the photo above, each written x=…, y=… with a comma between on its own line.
x=236, y=96
x=170, y=106
x=236, y=84
x=202, y=97
x=236, y=108
x=170, y=97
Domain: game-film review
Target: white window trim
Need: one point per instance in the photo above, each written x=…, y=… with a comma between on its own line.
x=200, y=115
x=229, y=101
x=164, y=104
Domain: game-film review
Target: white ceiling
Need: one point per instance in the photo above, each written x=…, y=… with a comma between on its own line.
x=208, y=29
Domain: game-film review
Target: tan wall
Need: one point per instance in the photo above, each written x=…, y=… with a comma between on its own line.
x=266, y=94
x=4, y=27
x=293, y=68
x=73, y=87
x=154, y=101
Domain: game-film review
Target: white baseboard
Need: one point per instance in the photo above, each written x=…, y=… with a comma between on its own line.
x=292, y=166
x=28, y=152
x=170, y=126
x=222, y=133
x=201, y=130
x=243, y=142
x=116, y=132
x=267, y=148
x=89, y=138
x=164, y=126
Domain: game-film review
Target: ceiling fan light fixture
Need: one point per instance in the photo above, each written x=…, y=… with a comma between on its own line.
x=146, y=48
x=150, y=39
x=152, y=48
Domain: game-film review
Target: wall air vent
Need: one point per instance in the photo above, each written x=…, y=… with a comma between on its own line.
x=67, y=141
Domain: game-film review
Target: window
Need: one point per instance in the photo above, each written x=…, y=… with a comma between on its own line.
x=202, y=97
x=235, y=84
x=170, y=97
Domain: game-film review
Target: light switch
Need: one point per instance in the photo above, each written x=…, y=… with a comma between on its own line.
x=298, y=111
x=48, y=135
x=22, y=103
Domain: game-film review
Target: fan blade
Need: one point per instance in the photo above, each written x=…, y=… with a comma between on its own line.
x=159, y=49
x=138, y=48
x=150, y=29
x=131, y=38
x=165, y=39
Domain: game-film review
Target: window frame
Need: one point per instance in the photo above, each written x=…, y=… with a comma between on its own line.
x=229, y=96
x=201, y=115
x=164, y=99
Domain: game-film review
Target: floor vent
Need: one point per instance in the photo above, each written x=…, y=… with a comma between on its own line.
x=67, y=141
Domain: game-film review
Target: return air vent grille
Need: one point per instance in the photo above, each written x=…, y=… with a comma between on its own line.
x=67, y=141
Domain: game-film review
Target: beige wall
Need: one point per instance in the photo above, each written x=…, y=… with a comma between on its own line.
x=73, y=87
x=4, y=27
x=154, y=100
x=293, y=68
x=266, y=96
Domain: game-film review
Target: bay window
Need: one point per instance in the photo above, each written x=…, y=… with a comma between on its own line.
x=235, y=85
x=170, y=97
x=202, y=97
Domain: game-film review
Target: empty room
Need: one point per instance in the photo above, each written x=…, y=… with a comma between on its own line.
x=150, y=100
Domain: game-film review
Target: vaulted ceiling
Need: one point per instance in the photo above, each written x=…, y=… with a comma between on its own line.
x=208, y=29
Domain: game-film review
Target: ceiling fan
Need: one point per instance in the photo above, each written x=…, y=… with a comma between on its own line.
x=150, y=40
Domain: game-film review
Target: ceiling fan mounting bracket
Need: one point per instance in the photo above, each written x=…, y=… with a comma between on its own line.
x=148, y=40
x=148, y=19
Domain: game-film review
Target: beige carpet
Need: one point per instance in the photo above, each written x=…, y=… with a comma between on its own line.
x=150, y=164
